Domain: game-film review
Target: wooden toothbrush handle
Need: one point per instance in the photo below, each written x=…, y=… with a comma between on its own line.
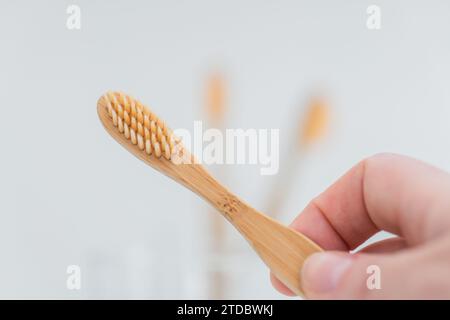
x=281, y=248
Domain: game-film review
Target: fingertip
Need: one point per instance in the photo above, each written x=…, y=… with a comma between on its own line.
x=323, y=271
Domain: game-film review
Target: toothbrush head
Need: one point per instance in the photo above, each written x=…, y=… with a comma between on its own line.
x=136, y=123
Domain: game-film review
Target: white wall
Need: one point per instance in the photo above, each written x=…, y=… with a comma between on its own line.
x=70, y=195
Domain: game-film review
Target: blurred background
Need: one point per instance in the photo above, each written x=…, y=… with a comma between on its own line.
x=69, y=195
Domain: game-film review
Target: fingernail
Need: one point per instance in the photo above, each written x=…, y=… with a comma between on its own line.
x=322, y=272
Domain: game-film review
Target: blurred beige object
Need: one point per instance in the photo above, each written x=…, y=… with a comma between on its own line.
x=311, y=128
x=314, y=126
x=215, y=99
x=215, y=111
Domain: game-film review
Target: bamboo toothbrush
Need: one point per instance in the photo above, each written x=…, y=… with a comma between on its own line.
x=311, y=127
x=138, y=130
x=215, y=111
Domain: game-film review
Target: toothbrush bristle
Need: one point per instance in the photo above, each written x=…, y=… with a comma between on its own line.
x=139, y=125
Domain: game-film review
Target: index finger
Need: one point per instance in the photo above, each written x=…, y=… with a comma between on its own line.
x=387, y=192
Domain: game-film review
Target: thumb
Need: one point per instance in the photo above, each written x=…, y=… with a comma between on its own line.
x=338, y=275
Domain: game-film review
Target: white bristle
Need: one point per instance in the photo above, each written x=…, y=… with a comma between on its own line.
x=148, y=147
x=133, y=136
x=140, y=140
x=120, y=124
x=114, y=117
x=126, y=130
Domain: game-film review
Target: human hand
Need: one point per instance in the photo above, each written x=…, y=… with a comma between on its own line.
x=384, y=192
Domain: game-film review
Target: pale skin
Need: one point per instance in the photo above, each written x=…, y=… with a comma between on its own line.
x=401, y=195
